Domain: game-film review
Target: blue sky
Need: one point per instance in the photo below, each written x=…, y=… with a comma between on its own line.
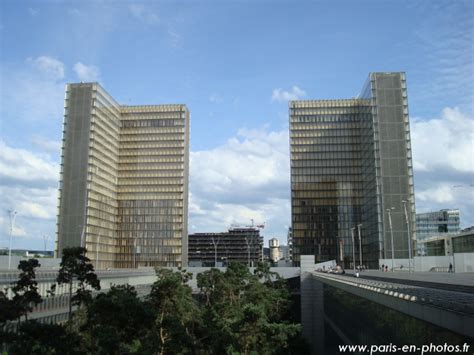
x=235, y=65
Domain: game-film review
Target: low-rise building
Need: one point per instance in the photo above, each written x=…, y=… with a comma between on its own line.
x=435, y=224
x=238, y=244
x=446, y=245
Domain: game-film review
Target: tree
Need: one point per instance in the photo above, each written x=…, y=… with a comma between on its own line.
x=75, y=265
x=38, y=338
x=244, y=313
x=25, y=294
x=30, y=336
x=25, y=290
x=117, y=321
x=176, y=314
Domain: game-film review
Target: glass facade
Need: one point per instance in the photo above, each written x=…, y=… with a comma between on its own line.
x=241, y=245
x=437, y=223
x=124, y=180
x=350, y=161
x=367, y=322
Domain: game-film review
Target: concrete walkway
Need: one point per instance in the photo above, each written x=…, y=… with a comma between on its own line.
x=466, y=279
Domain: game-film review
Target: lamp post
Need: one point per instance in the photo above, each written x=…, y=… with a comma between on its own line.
x=409, y=236
x=360, y=245
x=215, y=250
x=97, y=252
x=389, y=211
x=135, y=252
x=12, y=214
x=45, y=240
x=341, y=251
x=198, y=252
x=248, y=251
x=353, y=250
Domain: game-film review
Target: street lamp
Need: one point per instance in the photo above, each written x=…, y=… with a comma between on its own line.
x=341, y=250
x=389, y=211
x=360, y=245
x=409, y=236
x=353, y=250
x=248, y=251
x=97, y=252
x=135, y=252
x=215, y=250
x=45, y=239
x=198, y=252
x=12, y=214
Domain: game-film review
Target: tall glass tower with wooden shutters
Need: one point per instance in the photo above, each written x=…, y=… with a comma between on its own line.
x=124, y=180
x=350, y=163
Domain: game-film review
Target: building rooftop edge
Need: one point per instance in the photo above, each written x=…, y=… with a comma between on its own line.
x=91, y=83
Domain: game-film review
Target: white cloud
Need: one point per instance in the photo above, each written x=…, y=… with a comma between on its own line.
x=28, y=184
x=282, y=96
x=215, y=98
x=19, y=166
x=46, y=145
x=444, y=143
x=246, y=178
x=443, y=159
x=35, y=93
x=17, y=231
x=175, y=39
x=48, y=66
x=32, y=11
x=146, y=15
x=74, y=12
x=440, y=193
x=86, y=73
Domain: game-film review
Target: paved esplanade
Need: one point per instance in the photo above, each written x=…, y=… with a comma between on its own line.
x=465, y=278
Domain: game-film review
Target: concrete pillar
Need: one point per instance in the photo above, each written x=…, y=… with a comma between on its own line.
x=312, y=306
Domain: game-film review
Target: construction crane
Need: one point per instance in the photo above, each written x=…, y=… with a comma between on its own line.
x=253, y=225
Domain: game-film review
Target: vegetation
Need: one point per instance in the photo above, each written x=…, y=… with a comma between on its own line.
x=75, y=265
x=235, y=312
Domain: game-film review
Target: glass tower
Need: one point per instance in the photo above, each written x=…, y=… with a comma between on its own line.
x=350, y=165
x=124, y=180
x=437, y=223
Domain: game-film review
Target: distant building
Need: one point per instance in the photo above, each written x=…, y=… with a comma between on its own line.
x=274, y=246
x=433, y=224
x=351, y=165
x=243, y=245
x=284, y=252
x=289, y=245
x=443, y=245
x=124, y=180
x=441, y=222
x=266, y=254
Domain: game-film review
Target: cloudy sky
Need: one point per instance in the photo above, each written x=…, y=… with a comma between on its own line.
x=235, y=65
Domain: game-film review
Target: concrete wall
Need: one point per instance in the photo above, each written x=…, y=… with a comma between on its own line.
x=426, y=263
x=312, y=306
x=464, y=262
x=397, y=263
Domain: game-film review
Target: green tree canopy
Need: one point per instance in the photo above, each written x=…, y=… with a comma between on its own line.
x=243, y=313
x=117, y=321
x=177, y=314
x=75, y=265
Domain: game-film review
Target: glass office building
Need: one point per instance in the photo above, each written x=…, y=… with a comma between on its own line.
x=350, y=164
x=239, y=244
x=124, y=180
x=437, y=223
